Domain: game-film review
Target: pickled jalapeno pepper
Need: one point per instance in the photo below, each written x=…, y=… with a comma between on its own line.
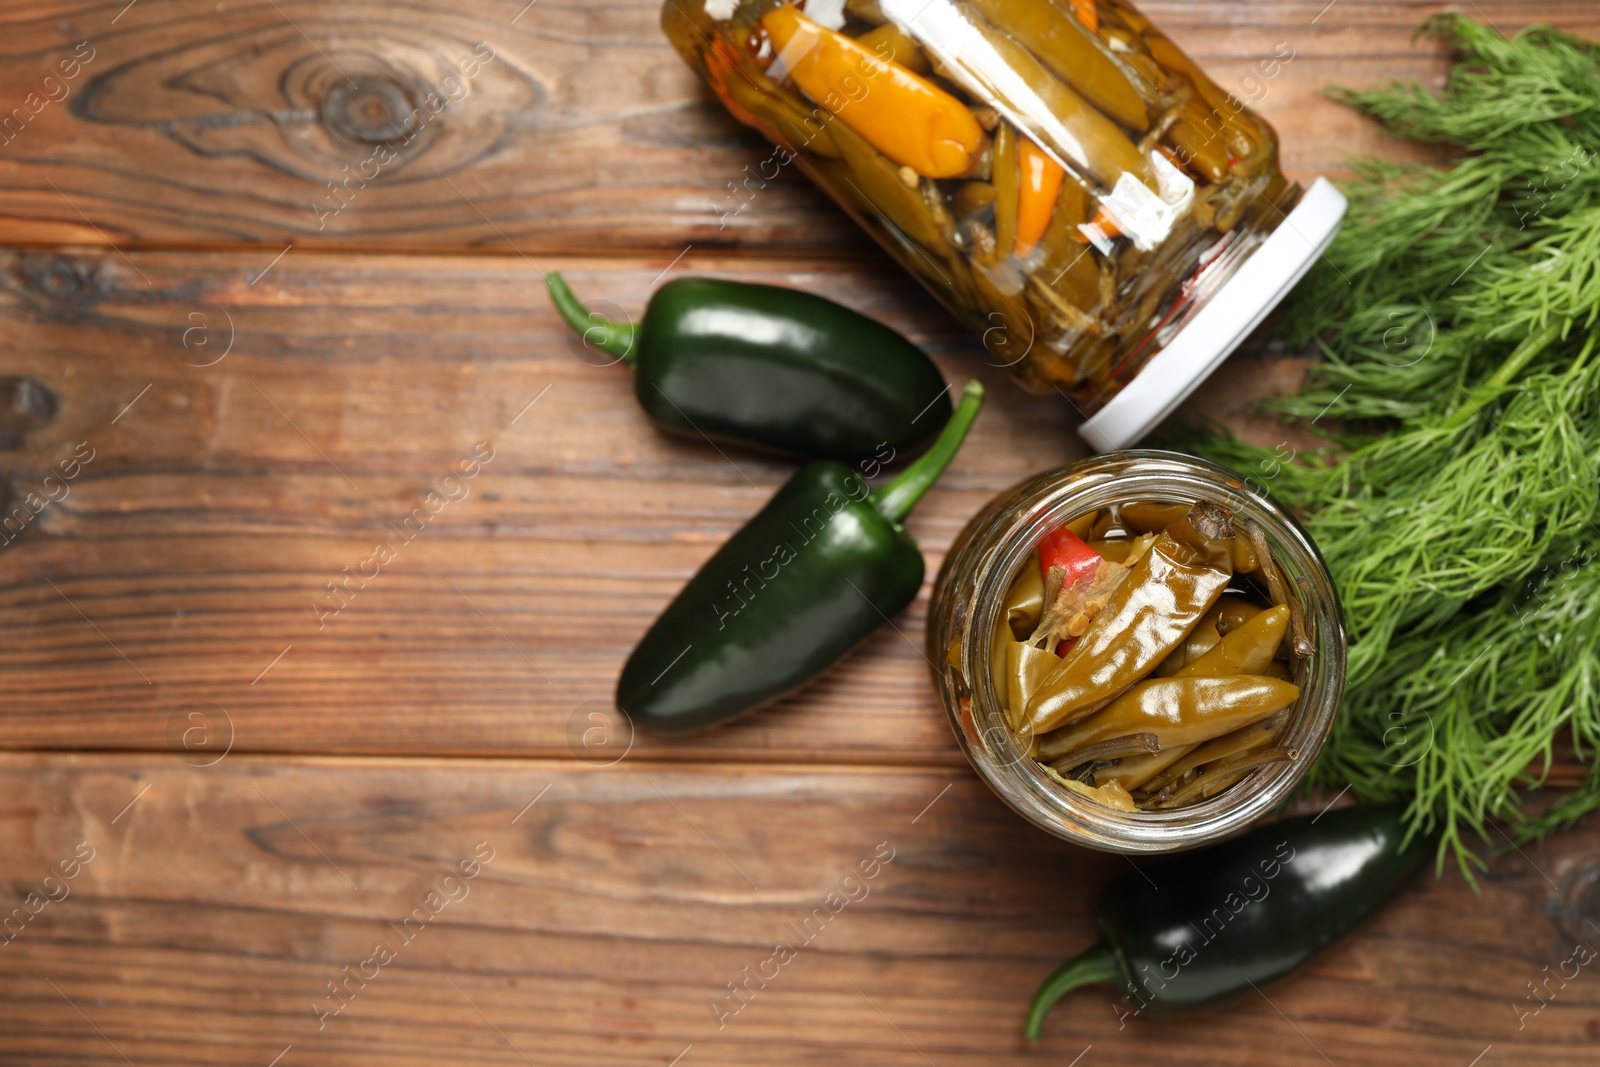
x=1139, y=667
x=1179, y=711
x=1163, y=596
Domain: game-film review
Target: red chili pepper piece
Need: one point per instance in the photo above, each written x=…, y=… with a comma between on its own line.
x=1068, y=551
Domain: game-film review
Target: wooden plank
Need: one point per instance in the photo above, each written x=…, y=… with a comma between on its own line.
x=198, y=543
x=191, y=124
x=152, y=606
x=220, y=902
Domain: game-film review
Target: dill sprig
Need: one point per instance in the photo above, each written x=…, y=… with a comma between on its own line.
x=1457, y=498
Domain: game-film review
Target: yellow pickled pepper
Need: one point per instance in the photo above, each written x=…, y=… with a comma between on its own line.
x=910, y=120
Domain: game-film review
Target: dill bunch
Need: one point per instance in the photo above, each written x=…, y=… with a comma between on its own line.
x=1457, y=498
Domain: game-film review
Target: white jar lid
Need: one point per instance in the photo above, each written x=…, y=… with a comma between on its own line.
x=1227, y=318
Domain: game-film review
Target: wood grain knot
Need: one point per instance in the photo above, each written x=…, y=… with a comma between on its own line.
x=374, y=109
x=342, y=109
x=62, y=283
x=1577, y=902
x=25, y=405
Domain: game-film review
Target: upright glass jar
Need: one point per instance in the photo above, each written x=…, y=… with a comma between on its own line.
x=1058, y=173
x=969, y=603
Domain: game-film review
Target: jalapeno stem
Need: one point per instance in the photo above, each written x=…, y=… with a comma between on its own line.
x=613, y=337
x=895, y=500
x=1099, y=964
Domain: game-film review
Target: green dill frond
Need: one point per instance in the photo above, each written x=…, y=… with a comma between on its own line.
x=1458, y=500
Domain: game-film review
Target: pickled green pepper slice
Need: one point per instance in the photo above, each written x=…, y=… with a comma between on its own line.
x=1179, y=711
x=1070, y=52
x=1057, y=117
x=1161, y=599
x=1248, y=649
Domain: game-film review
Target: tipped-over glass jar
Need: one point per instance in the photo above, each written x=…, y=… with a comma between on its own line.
x=1140, y=652
x=1069, y=183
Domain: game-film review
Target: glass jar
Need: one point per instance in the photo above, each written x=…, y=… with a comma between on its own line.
x=1058, y=173
x=969, y=597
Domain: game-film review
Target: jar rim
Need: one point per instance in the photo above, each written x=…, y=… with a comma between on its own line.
x=969, y=596
x=1273, y=266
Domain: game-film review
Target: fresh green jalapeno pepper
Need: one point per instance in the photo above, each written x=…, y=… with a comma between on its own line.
x=1224, y=920
x=1179, y=711
x=773, y=368
x=1165, y=594
x=806, y=580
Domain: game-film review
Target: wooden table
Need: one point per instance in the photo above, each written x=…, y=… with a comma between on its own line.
x=255, y=777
